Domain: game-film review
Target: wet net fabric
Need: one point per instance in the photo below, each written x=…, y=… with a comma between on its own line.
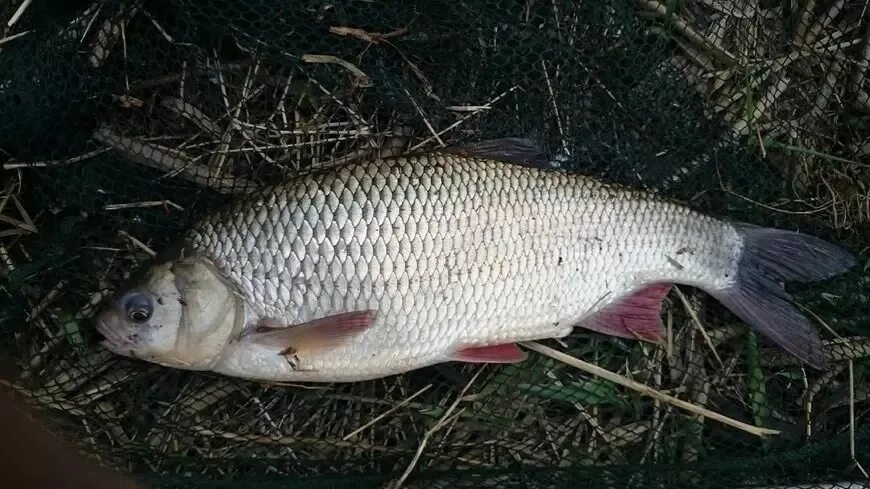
x=123, y=121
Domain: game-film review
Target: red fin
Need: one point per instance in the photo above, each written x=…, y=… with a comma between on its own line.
x=506, y=353
x=635, y=316
x=325, y=332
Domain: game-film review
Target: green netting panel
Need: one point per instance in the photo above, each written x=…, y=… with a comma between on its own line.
x=123, y=121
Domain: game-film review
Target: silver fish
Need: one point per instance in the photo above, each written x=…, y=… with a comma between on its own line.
x=381, y=267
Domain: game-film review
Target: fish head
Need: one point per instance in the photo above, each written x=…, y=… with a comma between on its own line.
x=181, y=314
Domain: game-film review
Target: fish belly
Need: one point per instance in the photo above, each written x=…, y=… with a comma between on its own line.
x=451, y=253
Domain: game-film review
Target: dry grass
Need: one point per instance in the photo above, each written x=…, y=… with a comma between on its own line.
x=797, y=89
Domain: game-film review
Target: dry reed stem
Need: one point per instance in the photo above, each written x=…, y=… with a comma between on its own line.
x=681, y=25
x=372, y=37
x=109, y=33
x=445, y=419
x=646, y=390
x=378, y=38
x=386, y=413
x=860, y=70
x=49, y=163
x=425, y=119
x=192, y=113
x=835, y=350
x=166, y=204
x=464, y=119
x=697, y=322
x=138, y=243
x=360, y=78
x=18, y=13
x=13, y=37
x=159, y=157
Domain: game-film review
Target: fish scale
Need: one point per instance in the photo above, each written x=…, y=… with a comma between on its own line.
x=477, y=253
x=379, y=267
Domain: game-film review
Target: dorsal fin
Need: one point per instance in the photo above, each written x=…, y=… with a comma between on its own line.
x=521, y=151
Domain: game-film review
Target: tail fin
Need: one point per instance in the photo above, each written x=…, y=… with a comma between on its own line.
x=770, y=256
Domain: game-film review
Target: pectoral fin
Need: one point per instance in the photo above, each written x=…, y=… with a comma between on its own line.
x=323, y=333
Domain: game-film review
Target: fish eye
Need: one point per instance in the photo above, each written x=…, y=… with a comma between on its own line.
x=138, y=307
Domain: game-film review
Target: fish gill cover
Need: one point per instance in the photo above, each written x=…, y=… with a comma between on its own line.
x=121, y=122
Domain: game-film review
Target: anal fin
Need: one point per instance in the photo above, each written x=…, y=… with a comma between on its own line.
x=635, y=316
x=504, y=353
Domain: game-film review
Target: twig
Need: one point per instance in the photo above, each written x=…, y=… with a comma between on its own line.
x=163, y=32
x=47, y=163
x=811, y=36
x=820, y=105
x=386, y=413
x=695, y=55
x=361, y=80
x=357, y=120
x=555, y=106
x=425, y=120
x=202, y=399
x=46, y=301
x=25, y=224
x=18, y=13
x=681, y=25
x=646, y=390
x=218, y=158
x=861, y=67
x=800, y=34
x=97, y=8
x=192, y=113
x=700, y=326
x=445, y=419
x=835, y=350
x=852, y=419
x=378, y=38
x=285, y=440
x=160, y=158
x=768, y=207
x=811, y=390
x=13, y=37
x=312, y=441
x=372, y=37
x=318, y=129
x=467, y=108
x=836, y=485
x=456, y=124
x=302, y=144
x=109, y=33
x=427, y=85
x=147, y=203
x=143, y=246
x=740, y=126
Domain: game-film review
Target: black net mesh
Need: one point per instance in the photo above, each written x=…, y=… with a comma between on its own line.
x=123, y=121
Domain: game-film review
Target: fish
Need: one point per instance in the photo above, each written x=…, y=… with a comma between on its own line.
x=379, y=267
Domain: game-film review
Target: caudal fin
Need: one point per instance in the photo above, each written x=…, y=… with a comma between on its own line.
x=771, y=256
